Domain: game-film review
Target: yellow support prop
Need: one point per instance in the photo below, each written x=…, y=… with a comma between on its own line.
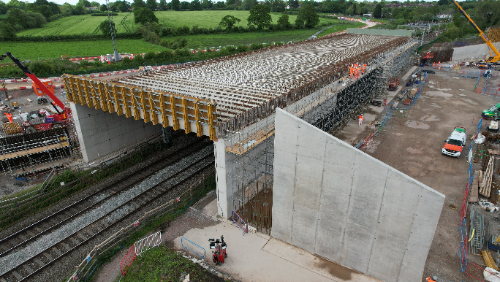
x=199, y=127
x=187, y=125
x=174, y=113
x=102, y=97
x=152, y=109
x=80, y=97
x=164, y=117
x=125, y=103
x=95, y=94
x=76, y=99
x=69, y=90
x=211, y=111
x=88, y=93
x=137, y=114
x=119, y=109
x=144, y=107
x=111, y=107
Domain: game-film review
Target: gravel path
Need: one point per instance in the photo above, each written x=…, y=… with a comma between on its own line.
x=9, y=262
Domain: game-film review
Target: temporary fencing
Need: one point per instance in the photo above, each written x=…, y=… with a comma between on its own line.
x=137, y=249
x=462, y=252
x=127, y=260
x=193, y=247
x=240, y=222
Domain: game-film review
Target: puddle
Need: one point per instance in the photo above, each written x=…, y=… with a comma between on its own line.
x=414, y=151
x=435, y=105
x=430, y=86
x=462, y=95
x=438, y=94
x=469, y=101
x=461, y=89
x=429, y=118
x=417, y=124
x=444, y=89
x=431, y=82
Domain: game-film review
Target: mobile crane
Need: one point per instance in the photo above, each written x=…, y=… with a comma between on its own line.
x=61, y=116
x=491, y=59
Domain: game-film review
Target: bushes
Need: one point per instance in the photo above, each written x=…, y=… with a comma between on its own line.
x=256, y=46
x=103, y=14
x=41, y=68
x=242, y=48
x=175, y=44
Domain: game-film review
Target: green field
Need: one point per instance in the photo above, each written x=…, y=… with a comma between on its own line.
x=86, y=24
x=46, y=50
x=340, y=27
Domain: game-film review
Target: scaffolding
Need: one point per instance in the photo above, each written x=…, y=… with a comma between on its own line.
x=30, y=154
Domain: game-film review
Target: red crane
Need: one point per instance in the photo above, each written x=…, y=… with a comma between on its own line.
x=65, y=111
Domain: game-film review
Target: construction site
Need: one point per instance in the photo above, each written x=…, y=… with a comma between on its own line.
x=374, y=200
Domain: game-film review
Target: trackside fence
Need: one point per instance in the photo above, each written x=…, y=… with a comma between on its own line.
x=240, y=222
x=193, y=248
x=462, y=252
x=113, y=244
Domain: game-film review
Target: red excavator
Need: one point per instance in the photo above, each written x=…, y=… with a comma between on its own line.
x=50, y=121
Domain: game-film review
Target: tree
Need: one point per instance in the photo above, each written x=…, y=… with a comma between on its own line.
x=176, y=5
x=3, y=8
x=260, y=16
x=184, y=5
x=228, y=21
x=94, y=4
x=144, y=15
x=207, y=4
x=276, y=5
x=163, y=5
x=248, y=4
x=294, y=4
x=139, y=4
x=7, y=31
x=151, y=4
x=105, y=28
x=103, y=8
x=377, y=13
x=195, y=5
x=284, y=22
x=443, y=2
x=308, y=15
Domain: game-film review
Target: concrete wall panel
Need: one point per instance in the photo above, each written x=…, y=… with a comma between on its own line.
x=101, y=133
x=472, y=52
x=349, y=207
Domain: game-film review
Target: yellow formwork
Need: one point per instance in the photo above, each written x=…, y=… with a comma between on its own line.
x=151, y=106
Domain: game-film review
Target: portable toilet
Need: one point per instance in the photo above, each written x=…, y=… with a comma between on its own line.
x=47, y=82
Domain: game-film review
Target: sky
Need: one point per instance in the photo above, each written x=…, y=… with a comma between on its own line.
x=73, y=2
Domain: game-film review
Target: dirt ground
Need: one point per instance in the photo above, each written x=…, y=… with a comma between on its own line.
x=411, y=142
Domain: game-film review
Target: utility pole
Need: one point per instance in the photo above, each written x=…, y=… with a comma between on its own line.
x=110, y=18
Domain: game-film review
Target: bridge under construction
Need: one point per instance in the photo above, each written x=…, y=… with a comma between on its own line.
x=233, y=100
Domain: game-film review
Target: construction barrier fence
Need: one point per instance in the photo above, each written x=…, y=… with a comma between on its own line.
x=240, y=222
x=127, y=260
x=462, y=252
x=193, y=247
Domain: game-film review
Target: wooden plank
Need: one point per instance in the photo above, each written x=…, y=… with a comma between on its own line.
x=33, y=151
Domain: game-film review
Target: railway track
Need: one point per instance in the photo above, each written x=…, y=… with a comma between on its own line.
x=28, y=252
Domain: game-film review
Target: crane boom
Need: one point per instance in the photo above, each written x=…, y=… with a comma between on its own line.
x=34, y=79
x=491, y=59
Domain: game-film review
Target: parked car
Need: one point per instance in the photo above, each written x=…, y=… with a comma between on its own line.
x=454, y=145
x=491, y=112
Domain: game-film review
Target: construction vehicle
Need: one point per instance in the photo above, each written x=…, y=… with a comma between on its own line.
x=454, y=145
x=220, y=250
x=491, y=59
x=39, y=120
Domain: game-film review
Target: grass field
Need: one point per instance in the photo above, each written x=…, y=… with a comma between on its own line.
x=48, y=50
x=86, y=24
x=340, y=27
x=45, y=50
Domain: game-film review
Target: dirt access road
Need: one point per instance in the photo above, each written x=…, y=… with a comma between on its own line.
x=411, y=142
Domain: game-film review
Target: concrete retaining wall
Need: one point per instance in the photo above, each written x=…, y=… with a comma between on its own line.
x=342, y=204
x=101, y=133
x=389, y=32
x=473, y=52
